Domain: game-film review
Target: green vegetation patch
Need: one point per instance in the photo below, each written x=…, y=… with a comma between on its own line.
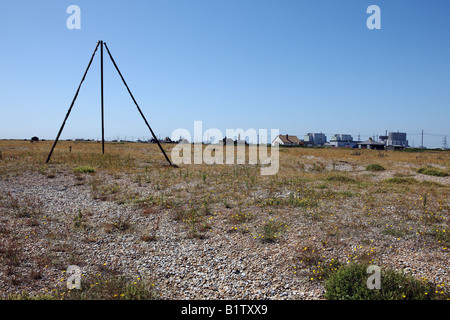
x=400, y=180
x=375, y=167
x=341, y=178
x=350, y=283
x=100, y=287
x=84, y=169
x=271, y=230
x=432, y=172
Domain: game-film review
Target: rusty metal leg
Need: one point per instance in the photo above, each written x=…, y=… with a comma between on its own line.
x=101, y=80
x=139, y=109
x=71, y=105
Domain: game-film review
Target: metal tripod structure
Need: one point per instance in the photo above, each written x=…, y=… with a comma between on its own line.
x=101, y=44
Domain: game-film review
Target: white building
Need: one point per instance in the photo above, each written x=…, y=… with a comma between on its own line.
x=316, y=139
x=341, y=140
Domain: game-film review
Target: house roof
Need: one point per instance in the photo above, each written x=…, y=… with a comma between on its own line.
x=289, y=139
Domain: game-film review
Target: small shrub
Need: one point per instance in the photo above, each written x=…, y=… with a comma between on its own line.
x=391, y=231
x=271, y=230
x=317, y=167
x=399, y=180
x=374, y=167
x=317, y=267
x=440, y=234
x=340, y=178
x=119, y=225
x=194, y=220
x=110, y=192
x=84, y=169
x=432, y=172
x=432, y=184
x=350, y=283
x=296, y=201
x=241, y=217
x=147, y=202
x=80, y=220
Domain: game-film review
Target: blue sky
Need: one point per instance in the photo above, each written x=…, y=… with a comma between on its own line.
x=297, y=66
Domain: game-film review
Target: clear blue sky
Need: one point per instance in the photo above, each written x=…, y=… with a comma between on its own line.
x=297, y=66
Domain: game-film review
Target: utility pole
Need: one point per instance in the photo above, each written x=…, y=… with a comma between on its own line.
x=422, y=140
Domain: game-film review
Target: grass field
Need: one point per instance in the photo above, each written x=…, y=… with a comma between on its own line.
x=325, y=208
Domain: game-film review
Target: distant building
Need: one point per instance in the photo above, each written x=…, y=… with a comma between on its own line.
x=226, y=141
x=182, y=140
x=383, y=139
x=315, y=139
x=287, y=140
x=371, y=144
x=397, y=140
x=341, y=140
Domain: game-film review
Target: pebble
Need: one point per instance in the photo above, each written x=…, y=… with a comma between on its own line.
x=221, y=266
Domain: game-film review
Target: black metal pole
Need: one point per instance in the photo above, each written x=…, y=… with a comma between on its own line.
x=103, y=116
x=139, y=109
x=71, y=105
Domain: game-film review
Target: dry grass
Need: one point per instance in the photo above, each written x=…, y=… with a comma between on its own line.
x=328, y=188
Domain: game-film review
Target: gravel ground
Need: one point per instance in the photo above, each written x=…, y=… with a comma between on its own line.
x=222, y=265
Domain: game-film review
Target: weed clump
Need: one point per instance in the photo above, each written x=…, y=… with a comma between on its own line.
x=432, y=172
x=80, y=220
x=399, y=180
x=100, y=287
x=375, y=167
x=194, y=219
x=84, y=169
x=340, y=178
x=317, y=267
x=296, y=201
x=271, y=230
x=119, y=225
